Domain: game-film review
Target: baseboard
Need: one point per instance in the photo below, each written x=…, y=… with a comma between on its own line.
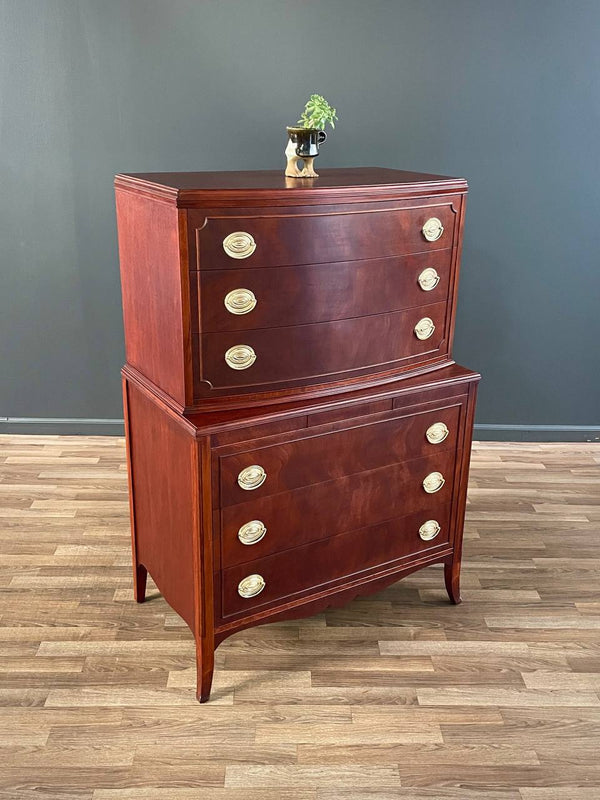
x=65, y=426
x=536, y=433
x=483, y=432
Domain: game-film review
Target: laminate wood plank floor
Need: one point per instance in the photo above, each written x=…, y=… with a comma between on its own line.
x=397, y=695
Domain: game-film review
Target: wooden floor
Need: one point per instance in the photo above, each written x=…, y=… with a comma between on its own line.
x=399, y=695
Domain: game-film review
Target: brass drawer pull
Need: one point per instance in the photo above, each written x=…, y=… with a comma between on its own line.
x=239, y=244
x=251, y=586
x=240, y=356
x=437, y=433
x=424, y=328
x=252, y=532
x=432, y=229
x=433, y=482
x=240, y=301
x=252, y=477
x=428, y=279
x=429, y=530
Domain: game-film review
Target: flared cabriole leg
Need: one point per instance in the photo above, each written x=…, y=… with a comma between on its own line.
x=205, y=662
x=452, y=578
x=140, y=574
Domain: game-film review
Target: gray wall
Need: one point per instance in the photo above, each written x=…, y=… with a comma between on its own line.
x=504, y=93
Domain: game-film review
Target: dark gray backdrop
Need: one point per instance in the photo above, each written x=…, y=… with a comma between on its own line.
x=504, y=93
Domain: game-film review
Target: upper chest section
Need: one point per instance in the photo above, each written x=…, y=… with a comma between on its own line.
x=293, y=285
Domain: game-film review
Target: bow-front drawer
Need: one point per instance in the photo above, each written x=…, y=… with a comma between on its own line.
x=322, y=352
x=280, y=577
x=242, y=299
x=319, y=457
x=317, y=237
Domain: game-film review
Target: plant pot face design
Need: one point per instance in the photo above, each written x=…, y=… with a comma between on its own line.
x=307, y=141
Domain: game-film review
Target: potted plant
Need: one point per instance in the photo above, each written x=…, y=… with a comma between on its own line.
x=306, y=136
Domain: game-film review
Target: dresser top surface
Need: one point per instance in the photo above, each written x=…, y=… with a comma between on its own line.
x=194, y=188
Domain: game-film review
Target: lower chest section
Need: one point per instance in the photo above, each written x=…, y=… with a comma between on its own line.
x=348, y=497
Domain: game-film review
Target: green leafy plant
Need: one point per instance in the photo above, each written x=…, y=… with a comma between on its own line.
x=317, y=113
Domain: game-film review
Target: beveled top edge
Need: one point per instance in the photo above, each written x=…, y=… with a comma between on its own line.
x=208, y=421
x=260, y=187
x=215, y=420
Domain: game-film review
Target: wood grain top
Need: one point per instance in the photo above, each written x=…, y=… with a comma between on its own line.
x=193, y=189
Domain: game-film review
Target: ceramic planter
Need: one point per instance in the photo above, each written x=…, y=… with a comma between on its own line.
x=303, y=144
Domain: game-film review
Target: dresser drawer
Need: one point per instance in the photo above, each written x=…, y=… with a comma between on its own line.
x=309, y=237
x=312, y=567
x=242, y=299
x=325, y=509
x=325, y=351
x=322, y=457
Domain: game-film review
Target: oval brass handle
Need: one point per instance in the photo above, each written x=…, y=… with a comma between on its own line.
x=429, y=530
x=252, y=477
x=239, y=244
x=240, y=356
x=251, y=585
x=252, y=532
x=433, y=482
x=424, y=328
x=432, y=229
x=428, y=279
x=437, y=432
x=240, y=301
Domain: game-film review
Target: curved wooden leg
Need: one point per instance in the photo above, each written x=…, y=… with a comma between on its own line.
x=205, y=662
x=452, y=578
x=140, y=573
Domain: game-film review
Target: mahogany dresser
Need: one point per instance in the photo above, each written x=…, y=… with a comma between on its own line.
x=297, y=431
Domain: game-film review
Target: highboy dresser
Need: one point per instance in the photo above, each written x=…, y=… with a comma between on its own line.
x=297, y=431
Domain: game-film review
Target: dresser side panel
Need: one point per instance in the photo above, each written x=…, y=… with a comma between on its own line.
x=462, y=478
x=164, y=480
x=155, y=293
